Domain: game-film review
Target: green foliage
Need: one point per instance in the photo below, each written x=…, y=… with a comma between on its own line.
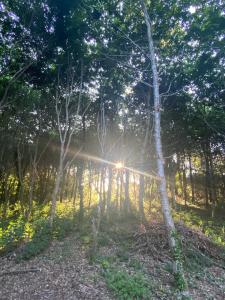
x=135, y=264
x=125, y=285
x=44, y=234
x=180, y=281
x=12, y=234
x=62, y=227
x=196, y=261
x=122, y=255
x=198, y=219
x=34, y=236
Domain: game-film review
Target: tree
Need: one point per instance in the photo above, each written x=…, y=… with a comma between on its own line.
x=158, y=145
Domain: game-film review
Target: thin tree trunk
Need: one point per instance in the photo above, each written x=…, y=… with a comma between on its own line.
x=117, y=190
x=121, y=190
x=56, y=188
x=90, y=186
x=127, y=194
x=173, y=190
x=184, y=186
x=135, y=190
x=191, y=180
x=75, y=194
x=143, y=151
x=80, y=190
x=141, y=196
x=109, y=193
x=158, y=144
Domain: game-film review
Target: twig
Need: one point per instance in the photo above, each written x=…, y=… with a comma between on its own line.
x=17, y=272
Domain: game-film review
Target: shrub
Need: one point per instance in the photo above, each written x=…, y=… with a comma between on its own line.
x=13, y=234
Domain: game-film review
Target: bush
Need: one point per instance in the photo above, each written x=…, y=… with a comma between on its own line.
x=12, y=235
x=41, y=239
x=62, y=226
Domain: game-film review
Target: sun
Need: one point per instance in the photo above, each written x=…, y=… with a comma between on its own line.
x=119, y=165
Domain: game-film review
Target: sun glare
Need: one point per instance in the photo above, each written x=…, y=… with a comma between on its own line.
x=119, y=165
x=192, y=9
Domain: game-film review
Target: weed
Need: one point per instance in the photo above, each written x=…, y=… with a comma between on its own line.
x=122, y=255
x=196, y=261
x=135, y=264
x=126, y=286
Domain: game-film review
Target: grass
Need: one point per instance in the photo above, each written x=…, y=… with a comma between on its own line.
x=123, y=283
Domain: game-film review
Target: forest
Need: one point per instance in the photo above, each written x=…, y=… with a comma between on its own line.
x=112, y=149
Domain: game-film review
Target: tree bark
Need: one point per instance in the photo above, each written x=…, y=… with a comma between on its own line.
x=157, y=131
x=191, y=180
x=80, y=190
x=109, y=192
x=56, y=187
x=127, y=194
x=184, y=185
x=141, y=196
x=158, y=145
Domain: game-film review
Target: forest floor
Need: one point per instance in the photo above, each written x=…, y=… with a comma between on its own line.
x=132, y=262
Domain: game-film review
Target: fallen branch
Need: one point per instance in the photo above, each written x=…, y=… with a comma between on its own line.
x=17, y=272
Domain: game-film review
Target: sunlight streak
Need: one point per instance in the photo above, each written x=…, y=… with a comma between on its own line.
x=117, y=165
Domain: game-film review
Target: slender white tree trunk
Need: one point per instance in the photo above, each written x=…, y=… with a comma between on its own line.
x=160, y=161
x=157, y=133
x=56, y=187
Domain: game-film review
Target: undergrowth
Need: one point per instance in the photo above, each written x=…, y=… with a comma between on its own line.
x=125, y=285
x=34, y=236
x=213, y=228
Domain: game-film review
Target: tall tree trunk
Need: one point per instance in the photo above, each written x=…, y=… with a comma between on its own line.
x=184, y=185
x=127, y=194
x=56, y=187
x=208, y=194
x=172, y=237
x=143, y=151
x=191, y=180
x=62, y=187
x=90, y=185
x=173, y=189
x=74, y=195
x=135, y=190
x=141, y=196
x=121, y=190
x=80, y=189
x=31, y=191
x=117, y=190
x=109, y=193
x=212, y=181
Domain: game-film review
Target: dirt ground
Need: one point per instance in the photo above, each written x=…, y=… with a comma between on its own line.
x=63, y=271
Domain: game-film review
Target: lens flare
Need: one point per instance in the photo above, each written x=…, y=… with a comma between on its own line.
x=119, y=165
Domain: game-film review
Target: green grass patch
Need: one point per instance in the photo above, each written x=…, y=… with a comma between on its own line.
x=124, y=284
